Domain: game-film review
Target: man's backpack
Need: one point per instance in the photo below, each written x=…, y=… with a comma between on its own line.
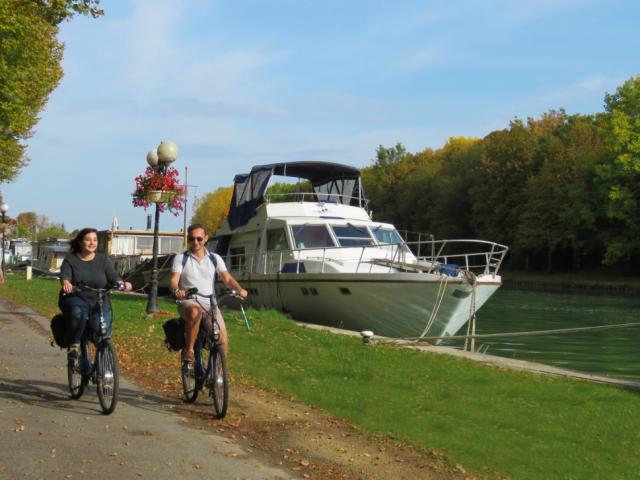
x=174, y=334
x=59, y=331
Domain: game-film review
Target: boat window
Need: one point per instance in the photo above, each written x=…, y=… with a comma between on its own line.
x=277, y=240
x=171, y=244
x=311, y=236
x=144, y=245
x=387, y=235
x=352, y=235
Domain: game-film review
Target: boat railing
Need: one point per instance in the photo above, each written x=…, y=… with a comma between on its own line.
x=477, y=256
x=445, y=256
x=313, y=197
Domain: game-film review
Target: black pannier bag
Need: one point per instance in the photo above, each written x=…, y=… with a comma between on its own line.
x=59, y=331
x=174, y=334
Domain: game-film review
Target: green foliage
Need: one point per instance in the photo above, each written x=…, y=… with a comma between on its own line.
x=30, y=57
x=622, y=174
x=560, y=190
x=55, y=230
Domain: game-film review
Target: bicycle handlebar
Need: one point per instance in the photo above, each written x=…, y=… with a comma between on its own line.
x=83, y=286
x=193, y=291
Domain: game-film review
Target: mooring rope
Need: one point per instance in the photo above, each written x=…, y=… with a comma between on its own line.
x=532, y=333
x=436, y=306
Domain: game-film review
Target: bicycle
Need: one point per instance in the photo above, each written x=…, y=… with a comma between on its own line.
x=213, y=376
x=103, y=371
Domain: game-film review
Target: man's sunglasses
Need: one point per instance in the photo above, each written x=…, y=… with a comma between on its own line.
x=197, y=239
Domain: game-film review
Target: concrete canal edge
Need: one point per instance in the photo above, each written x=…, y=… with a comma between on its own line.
x=490, y=360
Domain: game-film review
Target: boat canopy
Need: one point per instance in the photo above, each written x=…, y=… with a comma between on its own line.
x=331, y=182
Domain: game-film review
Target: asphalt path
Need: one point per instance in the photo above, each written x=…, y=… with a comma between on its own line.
x=46, y=435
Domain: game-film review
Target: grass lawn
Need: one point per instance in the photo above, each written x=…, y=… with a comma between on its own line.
x=496, y=423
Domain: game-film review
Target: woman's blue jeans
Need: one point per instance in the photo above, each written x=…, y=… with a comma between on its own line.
x=77, y=315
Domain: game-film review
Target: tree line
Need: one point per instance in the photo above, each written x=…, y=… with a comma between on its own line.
x=562, y=191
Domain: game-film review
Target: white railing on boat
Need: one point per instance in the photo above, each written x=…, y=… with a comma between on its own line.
x=316, y=198
x=445, y=256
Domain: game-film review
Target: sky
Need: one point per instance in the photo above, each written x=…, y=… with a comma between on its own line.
x=249, y=82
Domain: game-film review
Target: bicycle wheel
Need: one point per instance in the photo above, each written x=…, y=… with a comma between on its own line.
x=192, y=376
x=107, y=376
x=77, y=381
x=218, y=381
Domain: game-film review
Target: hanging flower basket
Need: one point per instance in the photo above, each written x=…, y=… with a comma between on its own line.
x=161, y=196
x=160, y=188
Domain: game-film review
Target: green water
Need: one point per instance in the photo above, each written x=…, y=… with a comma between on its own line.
x=615, y=353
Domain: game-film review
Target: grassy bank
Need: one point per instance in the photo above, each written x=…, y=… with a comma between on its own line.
x=495, y=423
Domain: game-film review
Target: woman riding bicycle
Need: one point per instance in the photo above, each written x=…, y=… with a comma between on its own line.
x=79, y=307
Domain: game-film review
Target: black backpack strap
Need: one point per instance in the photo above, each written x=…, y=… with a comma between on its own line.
x=212, y=256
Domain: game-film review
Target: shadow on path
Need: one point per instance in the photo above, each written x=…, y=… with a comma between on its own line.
x=52, y=395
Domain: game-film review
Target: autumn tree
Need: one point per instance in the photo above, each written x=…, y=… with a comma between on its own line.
x=213, y=208
x=30, y=57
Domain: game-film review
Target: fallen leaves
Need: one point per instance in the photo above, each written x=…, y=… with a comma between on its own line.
x=19, y=426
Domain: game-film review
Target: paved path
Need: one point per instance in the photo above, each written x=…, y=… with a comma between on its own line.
x=44, y=434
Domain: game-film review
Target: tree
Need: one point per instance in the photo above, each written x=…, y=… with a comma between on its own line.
x=26, y=225
x=54, y=230
x=384, y=179
x=622, y=174
x=386, y=156
x=506, y=162
x=213, y=208
x=30, y=56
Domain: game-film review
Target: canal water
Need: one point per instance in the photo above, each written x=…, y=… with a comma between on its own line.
x=614, y=353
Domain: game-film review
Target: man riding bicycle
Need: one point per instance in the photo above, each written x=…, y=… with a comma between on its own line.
x=197, y=268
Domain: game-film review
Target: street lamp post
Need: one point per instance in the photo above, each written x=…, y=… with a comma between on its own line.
x=159, y=159
x=4, y=208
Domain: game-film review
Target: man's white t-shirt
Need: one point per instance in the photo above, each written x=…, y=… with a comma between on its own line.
x=198, y=273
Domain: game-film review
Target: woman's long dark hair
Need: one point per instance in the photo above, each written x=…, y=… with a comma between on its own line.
x=76, y=243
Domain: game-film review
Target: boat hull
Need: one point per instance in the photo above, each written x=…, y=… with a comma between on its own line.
x=404, y=305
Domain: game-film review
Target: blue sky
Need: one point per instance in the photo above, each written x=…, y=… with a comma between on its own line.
x=240, y=83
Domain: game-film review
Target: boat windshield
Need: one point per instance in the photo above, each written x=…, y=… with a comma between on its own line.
x=352, y=236
x=387, y=235
x=311, y=236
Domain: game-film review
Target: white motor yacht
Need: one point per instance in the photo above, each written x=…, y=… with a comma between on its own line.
x=320, y=257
